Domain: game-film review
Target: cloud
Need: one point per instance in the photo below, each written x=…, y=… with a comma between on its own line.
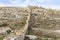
x=25, y=2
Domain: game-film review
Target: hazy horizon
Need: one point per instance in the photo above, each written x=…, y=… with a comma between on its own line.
x=54, y=4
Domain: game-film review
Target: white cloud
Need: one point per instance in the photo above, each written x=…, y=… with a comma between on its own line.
x=14, y=1
x=41, y=0
x=26, y=2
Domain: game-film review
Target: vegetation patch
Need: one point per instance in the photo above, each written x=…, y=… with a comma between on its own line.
x=3, y=24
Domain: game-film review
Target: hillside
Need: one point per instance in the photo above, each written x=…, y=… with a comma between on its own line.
x=39, y=23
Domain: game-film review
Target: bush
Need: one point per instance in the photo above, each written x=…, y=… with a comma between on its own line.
x=8, y=31
x=3, y=24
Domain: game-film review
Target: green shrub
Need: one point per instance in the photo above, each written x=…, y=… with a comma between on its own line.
x=8, y=31
x=1, y=38
x=3, y=24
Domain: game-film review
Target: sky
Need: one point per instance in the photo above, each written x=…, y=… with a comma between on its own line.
x=55, y=4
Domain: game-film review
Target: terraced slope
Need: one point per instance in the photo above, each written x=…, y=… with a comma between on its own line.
x=36, y=23
x=12, y=23
x=45, y=24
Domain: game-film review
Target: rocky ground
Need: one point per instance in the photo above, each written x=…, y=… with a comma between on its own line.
x=12, y=23
x=30, y=23
x=44, y=24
